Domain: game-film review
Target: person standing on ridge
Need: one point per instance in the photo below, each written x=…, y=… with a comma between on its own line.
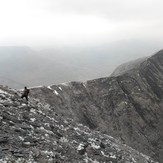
x=25, y=93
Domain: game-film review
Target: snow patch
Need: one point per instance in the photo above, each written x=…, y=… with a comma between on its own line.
x=27, y=143
x=85, y=84
x=93, y=145
x=104, y=154
x=33, y=111
x=60, y=88
x=3, y=92
x=80, y=147
x=56, y=92
x=21, y=138
x=49, y=87
x=47, y=124
x=47, y=131
x=113, y=156
x=64, y=140
x=33, y=119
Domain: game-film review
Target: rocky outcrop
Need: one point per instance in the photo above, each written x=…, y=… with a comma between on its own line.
x=34, y=132
x=127, y=105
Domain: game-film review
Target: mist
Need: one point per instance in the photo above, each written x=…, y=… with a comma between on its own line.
x=50, y=23
x=46, y=42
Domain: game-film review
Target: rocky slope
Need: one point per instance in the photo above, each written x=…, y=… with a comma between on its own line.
x=34, y=132
x=127, y=105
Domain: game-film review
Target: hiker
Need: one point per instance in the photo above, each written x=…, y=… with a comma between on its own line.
x=25, y=93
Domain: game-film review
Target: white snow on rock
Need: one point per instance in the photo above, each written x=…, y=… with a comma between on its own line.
x=133, y=160
x=27, y=143
x=93, y=145
x=21, y=138
x=64, y=140
x=49, y=87
x=112, y=156
x=85, y=84
x=80, y=147
x=33, y=119
x=47, y=131
x=60, y=88
x=3, y=92
x=33, y=111
x=56, y=92
x=104, y=154
x=82, y=131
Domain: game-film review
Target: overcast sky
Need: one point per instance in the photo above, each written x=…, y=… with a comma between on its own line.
x=81, y=22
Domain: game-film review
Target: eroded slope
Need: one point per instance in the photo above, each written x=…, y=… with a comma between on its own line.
x=127, y=105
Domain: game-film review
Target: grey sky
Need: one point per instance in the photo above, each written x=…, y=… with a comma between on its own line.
x=69, y=22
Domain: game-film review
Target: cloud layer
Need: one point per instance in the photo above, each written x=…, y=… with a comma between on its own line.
x=50, y=22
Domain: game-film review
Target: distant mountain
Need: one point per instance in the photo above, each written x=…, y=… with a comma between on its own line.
x=21, y=66
x=127, y=105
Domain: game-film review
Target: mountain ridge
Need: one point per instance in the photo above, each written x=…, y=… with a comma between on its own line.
x=127, y=106
x=34, y=132
x=32, y=67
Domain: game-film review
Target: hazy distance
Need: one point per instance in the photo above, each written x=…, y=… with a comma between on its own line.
x=20, y=66
x=52, y=41
x=48, y=23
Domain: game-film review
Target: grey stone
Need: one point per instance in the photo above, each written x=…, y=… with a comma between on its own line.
x=127, y=105
x=101, y=114
x=4, y=139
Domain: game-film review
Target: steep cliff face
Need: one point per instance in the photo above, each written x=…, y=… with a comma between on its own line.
x=127, y=105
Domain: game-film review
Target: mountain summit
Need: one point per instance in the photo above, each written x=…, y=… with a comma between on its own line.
x=127, y=105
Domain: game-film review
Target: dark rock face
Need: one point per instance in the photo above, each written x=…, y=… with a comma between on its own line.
x=128, y=105
x=34, y=132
